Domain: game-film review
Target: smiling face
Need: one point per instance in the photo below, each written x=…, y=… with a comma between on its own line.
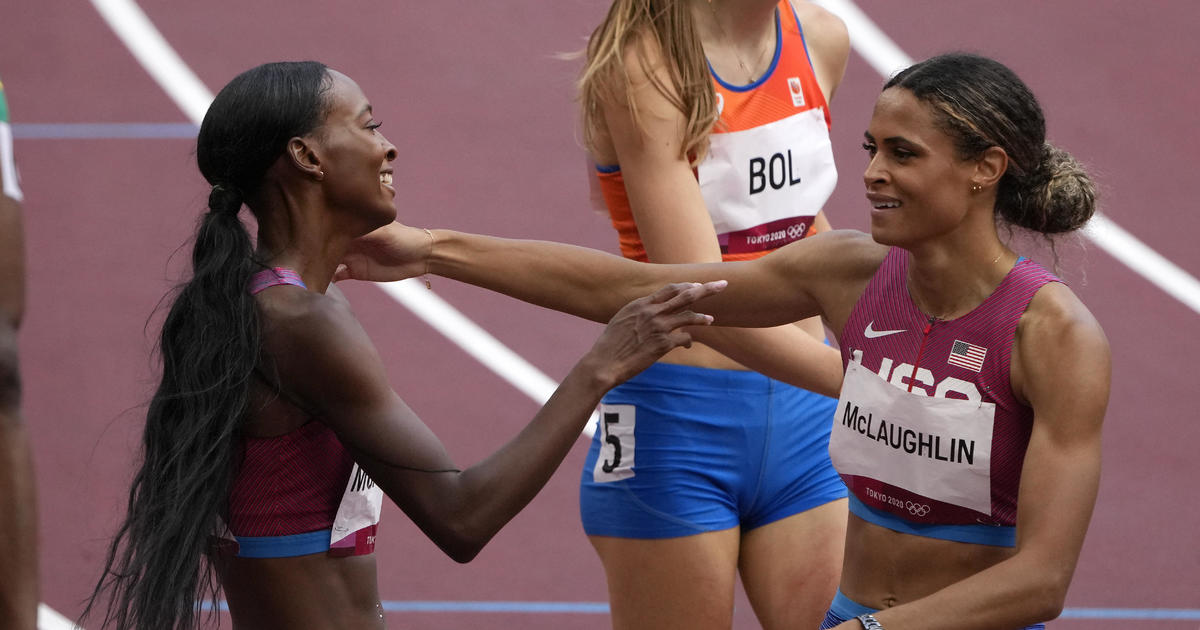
x=354, y=155
x=918, y=186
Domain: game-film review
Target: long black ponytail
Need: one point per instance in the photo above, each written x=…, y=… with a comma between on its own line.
x=156, y=569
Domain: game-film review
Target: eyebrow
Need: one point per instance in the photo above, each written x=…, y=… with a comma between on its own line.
x=890, y=140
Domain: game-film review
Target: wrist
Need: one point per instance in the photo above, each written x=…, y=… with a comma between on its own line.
x=428, y=257
x=595, y=374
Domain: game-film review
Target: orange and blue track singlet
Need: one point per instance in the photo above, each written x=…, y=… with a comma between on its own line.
x=769, y=168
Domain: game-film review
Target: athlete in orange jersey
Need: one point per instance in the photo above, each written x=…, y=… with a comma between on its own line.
x=708, y=123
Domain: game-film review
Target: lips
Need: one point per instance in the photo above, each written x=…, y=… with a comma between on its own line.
x=882, y=202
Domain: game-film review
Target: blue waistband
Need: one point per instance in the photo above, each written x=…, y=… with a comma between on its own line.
x=994, y=535
x=283, y=546
x=846, y=608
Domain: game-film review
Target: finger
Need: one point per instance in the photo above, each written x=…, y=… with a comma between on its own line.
x=669, y=291
x=672, y=321
x=680, y=338
x=692, y=292
x=341, y=273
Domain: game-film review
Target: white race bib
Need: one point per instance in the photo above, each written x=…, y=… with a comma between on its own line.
x=940, y=448
x=361, y=504
x=764, y=185
x=615, y=461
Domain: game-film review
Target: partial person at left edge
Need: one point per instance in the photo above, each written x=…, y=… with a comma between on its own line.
x=18, y=512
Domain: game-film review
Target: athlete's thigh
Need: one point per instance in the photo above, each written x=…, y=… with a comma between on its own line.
x=790, y=568
x=681, y=583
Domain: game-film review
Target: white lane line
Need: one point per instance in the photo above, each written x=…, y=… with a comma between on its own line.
x=148, y=46
x=476, y=341
x=869, y=40
x=1145, y=261
x=887, y=58
x=50, y=619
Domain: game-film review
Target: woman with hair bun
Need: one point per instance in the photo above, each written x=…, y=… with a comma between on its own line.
x=274, y=433
x=968, y=427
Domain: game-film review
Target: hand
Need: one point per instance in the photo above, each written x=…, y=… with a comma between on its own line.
x=392, y=252
x=647, y=328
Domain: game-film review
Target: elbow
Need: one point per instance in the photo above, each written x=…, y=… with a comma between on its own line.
x=461, y=540
x=1048, y=596
x=462, y=547
x=463, y=554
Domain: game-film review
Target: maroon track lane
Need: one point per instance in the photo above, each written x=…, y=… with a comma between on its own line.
x=482, y=113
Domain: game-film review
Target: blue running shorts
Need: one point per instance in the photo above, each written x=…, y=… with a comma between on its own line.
x=683, y=450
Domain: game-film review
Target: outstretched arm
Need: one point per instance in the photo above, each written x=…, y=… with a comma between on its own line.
x=326, y=360
x=815, y=276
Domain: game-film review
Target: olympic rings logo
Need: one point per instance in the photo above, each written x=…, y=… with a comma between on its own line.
x=795, y=231
x=916, y=509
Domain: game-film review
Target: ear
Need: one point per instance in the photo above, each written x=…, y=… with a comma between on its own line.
x=990, y=167
x=303, y=156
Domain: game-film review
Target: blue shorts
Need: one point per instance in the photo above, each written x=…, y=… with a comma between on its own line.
x=844, y=609
x=683, y=450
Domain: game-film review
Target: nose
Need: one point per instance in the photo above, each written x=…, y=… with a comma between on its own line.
x=390, y=152
x=874, y=174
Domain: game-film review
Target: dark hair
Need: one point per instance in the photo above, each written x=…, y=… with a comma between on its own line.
x=156, y=569
x=981, y=104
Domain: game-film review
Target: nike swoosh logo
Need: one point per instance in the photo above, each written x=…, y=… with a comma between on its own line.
x=871, y=333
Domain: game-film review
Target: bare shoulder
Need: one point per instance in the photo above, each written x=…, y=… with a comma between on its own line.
x=647, y=69
x=1060, y=348
x=823, y=30
x=819, y=18
x=828, y=44
x=294, y=315
x=1056, y=315
x=842, y=254
x=832, y=267
x=312, y=336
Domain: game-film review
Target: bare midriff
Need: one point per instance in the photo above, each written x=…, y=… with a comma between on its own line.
x=316, y=592
x=884, y=568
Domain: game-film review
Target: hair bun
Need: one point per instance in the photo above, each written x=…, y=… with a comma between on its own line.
x=1061, y=196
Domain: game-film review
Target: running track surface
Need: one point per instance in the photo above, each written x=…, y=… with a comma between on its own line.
x=482, y=112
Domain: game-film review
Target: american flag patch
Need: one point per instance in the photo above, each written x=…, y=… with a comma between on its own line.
x=967, y=355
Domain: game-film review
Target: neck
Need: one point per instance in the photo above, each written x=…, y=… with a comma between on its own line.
x=948, y=282
x=742, y=21
x=737, y=35
x=296, y=231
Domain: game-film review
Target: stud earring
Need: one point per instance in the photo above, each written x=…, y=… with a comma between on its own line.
x=976, y=188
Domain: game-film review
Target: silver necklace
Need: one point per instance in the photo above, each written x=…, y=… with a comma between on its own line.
x=750, y=74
